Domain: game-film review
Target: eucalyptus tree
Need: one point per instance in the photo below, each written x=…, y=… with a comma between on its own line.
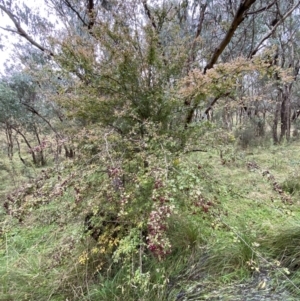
x=14, y=119
x=26, y=113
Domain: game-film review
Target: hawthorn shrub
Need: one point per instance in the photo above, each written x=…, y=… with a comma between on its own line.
x=134, y=199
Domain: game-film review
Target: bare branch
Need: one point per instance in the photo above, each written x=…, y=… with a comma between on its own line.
x=34, y=111
x=231, y=8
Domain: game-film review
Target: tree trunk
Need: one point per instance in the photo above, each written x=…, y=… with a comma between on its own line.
x=28, y=145
x=275, y=123
x=69, y=152
x=285, y=114
x=19, y=150
x=9, y=140
x=41, y=157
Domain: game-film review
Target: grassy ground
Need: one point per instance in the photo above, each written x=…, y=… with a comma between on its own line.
x=249, y=236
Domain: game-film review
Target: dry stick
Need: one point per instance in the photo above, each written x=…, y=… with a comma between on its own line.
x=91, y=12
x=149, y=15
x=68, y=4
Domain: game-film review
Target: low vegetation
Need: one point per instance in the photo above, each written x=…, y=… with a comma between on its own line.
x=68, y=234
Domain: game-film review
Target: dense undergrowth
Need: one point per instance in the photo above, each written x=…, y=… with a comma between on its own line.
x=85, y=230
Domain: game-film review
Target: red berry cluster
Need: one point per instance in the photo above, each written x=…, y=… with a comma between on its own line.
x=157, y=240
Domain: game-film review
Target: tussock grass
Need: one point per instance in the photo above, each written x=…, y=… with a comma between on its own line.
x=284, y=245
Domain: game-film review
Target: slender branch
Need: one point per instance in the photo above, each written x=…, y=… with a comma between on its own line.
x=34, y=111
x=231, y=7
x=253, y=34
x=8, y=29
x=213, y=102
x=261, y=9
x=195, y=150
x=68, y=4
x=272, y=30
x=22, y=32
x=156, y=29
